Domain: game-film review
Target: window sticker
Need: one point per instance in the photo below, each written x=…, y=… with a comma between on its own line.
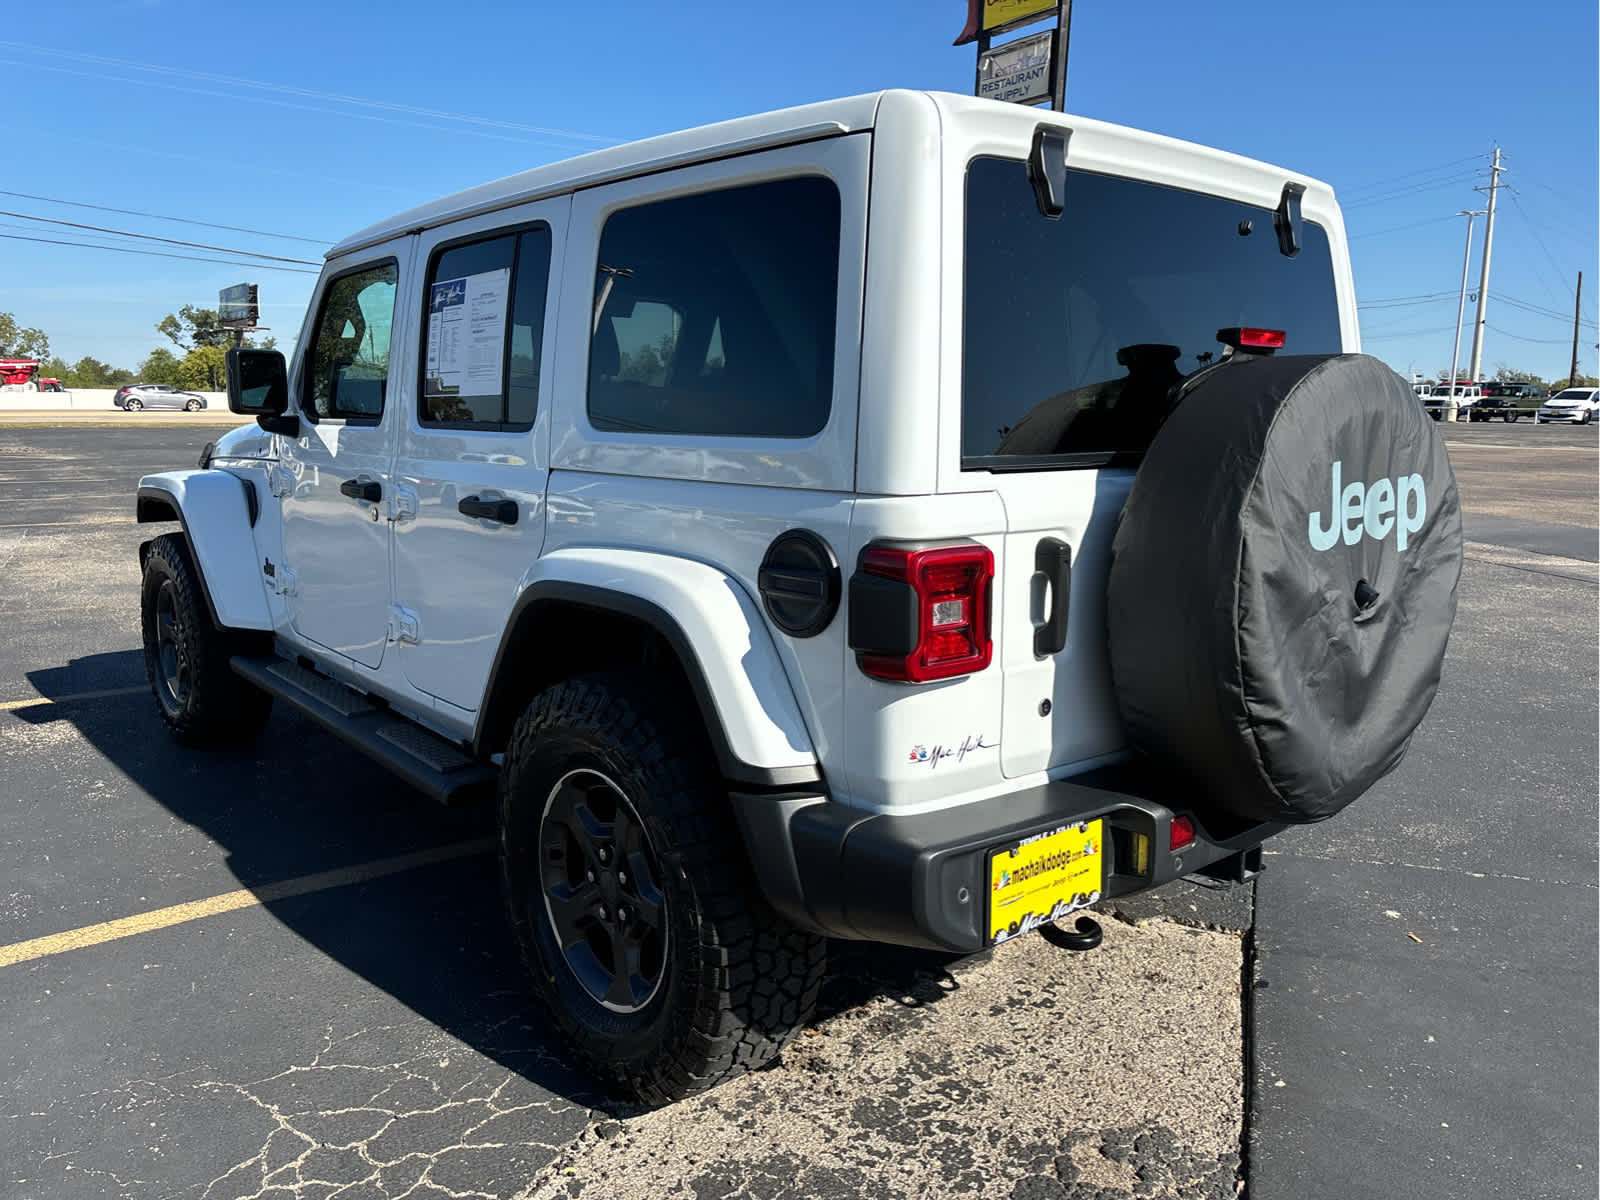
x=466, y=334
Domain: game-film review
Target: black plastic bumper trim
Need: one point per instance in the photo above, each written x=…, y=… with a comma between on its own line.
x=920, y=880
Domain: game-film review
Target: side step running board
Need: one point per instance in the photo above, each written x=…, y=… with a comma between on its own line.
x=426, y=761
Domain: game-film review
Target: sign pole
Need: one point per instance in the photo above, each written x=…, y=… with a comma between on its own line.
x=1063, y=39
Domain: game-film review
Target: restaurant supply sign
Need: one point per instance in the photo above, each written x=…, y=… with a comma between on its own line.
x=1018, y=72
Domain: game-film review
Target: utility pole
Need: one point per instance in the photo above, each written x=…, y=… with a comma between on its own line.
x=1577, y=311
x=1483, y=274
x=1461, y=306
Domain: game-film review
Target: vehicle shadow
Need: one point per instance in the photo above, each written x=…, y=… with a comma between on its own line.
x=299, y=802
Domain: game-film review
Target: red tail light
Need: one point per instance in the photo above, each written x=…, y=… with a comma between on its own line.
x=1182, y=835
x=1252, y=338
x=951, y=586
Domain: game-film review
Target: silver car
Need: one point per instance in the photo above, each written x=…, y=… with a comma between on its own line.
x=156, y=395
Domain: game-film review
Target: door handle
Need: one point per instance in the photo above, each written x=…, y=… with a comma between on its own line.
x=1052, y=558
x=504, y=511
x=362, y=489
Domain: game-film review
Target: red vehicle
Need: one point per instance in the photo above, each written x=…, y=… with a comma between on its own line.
x=20, y=372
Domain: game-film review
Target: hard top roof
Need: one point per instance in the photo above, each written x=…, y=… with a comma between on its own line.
x=806, y=122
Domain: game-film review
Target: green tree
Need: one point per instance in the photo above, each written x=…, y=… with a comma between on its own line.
x=17, y=342
x=191, y=328
x=204, y=369
x=1505, y=374
x=56, y=368
x=90, y=372
x=162, y=366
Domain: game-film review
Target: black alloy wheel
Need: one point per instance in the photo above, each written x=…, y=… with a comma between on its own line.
x=601, y=892
x=174, y=674
x=648, y=939
x=186, y=656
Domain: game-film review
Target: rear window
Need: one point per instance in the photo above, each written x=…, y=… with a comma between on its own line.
x=1076, y=329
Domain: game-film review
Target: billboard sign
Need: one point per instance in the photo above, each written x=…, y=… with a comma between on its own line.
x=1018, y=71
x=997, y=16
x=238, y=307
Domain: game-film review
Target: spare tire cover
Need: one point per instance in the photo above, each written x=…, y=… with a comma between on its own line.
x=1249, y=652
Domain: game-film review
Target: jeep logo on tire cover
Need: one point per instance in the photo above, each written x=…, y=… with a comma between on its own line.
x=1370, y=509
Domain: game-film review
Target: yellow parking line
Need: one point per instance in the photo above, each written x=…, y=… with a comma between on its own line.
x=194, y=910
x=13, y=705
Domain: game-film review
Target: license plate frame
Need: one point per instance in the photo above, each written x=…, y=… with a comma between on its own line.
x=1041, y=878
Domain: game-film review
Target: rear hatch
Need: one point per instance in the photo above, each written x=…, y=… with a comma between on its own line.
x=1076, y=332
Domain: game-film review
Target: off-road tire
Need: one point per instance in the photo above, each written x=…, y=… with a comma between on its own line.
x=210, y=705
x=738, y=980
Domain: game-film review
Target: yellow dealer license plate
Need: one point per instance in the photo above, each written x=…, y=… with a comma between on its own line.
x=1043, y=878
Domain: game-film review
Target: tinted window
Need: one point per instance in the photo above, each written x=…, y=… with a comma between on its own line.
x=1076, y=329
x=714, y=314
x=476, y=370
x=350, y=353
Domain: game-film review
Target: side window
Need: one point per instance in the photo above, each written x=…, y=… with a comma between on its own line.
x=485, y=331
x=714, y=314
x=350, y=351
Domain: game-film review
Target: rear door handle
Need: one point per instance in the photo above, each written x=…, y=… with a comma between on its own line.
x=362, y=489
x=504, y=511
x=1052, y=558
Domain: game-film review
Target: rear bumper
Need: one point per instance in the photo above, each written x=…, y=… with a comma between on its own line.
x=922, y=880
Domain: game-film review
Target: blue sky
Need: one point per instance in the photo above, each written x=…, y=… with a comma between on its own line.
x=315, y=119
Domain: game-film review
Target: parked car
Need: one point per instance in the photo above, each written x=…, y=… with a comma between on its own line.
x=784, y=583
x=1446, y=403
x=135, y=396
x=1573, y=406
x=1508, y=401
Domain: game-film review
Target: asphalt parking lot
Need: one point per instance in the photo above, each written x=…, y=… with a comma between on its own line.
x=278, y=972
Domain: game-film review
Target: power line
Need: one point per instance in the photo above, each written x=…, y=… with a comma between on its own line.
x=1516, y=202
x=313, y=94
x=133, y=212
x=227, y=262
x=1539, y=310
x=1561, y=341
x=1405, y=333
x=150, y=237
x=1354, y=237
x=1382, y=183
x=1402, y=302
x=1415, y=190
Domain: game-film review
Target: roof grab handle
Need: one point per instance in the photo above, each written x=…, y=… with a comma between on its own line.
x=1286, y=220
x=1047, y=169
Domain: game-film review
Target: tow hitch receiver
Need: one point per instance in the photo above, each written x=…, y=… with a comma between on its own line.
x=1231, y=871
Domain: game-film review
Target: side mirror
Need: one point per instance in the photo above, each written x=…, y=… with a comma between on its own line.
x=258, y=386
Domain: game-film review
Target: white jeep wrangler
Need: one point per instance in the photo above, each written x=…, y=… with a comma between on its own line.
x=884, y=519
